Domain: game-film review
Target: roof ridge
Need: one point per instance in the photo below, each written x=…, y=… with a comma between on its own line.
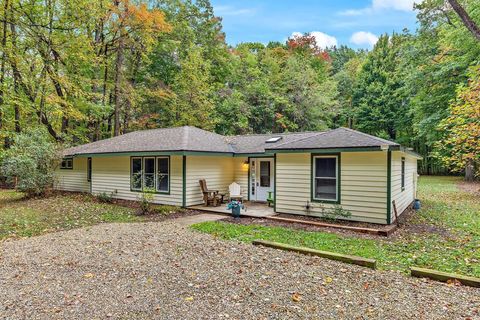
x=367, y=135
x=301, y=139
x=269, y=134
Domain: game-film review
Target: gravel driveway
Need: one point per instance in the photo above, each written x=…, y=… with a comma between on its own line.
x=164, y=270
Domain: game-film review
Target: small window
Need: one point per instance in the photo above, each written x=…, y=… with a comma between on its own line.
x=403, y=174
x=325, y=175
x=89, y=169
x=67, y=163
x=162, y=174
x=137, y=177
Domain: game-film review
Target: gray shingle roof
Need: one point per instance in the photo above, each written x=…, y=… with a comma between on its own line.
x=336, y=138
x=255, y=143
x=168, y=139
x=197, y=140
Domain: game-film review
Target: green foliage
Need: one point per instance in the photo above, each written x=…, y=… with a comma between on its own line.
x=335, y=212
x=105, y=197
x=30, y=163
x=146, y=198
x=459, y=149
x=445, y=207
x=149, y=64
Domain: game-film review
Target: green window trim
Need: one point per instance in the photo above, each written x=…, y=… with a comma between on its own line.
x=403, y=173
x=389, y=186
x=337, y=156
x=89, y=169
x=155, y=174
x=67, y=164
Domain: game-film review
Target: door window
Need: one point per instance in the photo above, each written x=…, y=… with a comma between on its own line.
x=265, y=174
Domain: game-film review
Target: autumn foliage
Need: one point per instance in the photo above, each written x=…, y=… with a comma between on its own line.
x=460, y=147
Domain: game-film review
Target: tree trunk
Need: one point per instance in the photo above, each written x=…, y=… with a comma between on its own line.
x=4, y=58
x=470, y=170
x=467, y=21
x=118, y=84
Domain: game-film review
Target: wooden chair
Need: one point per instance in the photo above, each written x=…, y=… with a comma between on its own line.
x=235, y=192
x=210, y=197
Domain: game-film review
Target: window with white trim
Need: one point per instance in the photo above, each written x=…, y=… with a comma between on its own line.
x=67, y=163
x=150, y=173
x=325, y=178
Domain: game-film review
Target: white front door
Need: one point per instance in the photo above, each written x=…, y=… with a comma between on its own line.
x=261, y=178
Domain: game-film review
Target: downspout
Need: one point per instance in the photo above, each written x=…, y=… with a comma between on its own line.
x=389, y=186
x=274, y=182
x=184, y=181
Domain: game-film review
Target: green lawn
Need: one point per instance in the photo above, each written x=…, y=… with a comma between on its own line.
x=21, y=217
x=452, y=244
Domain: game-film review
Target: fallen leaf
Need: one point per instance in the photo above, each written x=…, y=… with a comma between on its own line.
x=296, y=297
x=88, y=275
x=189, y=299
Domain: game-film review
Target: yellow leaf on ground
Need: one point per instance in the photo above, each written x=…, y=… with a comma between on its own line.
x=296, y=297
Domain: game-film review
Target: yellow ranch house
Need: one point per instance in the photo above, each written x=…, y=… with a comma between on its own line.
x=299, y=173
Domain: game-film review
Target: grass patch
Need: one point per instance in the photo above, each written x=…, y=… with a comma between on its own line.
x=29, y=217
x=444, y=206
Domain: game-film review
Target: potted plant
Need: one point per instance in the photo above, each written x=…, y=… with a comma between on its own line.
x=235, y=206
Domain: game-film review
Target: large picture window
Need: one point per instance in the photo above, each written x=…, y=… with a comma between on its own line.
x=150, y=173
x=325, y=178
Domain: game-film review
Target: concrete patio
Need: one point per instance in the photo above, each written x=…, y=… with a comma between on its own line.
x=252, y=209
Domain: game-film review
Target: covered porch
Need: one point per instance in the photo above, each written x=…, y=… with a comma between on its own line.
x=252, y=209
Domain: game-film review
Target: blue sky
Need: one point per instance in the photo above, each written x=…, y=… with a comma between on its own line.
x=355, y=23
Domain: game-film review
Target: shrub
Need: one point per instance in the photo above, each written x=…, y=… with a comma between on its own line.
x=145, y=200
x=31, y=161
x=335, y=212
x=105, y=197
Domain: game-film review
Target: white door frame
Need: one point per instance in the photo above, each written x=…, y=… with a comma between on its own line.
x=255, y=191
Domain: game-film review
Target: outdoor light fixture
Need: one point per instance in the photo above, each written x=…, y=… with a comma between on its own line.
x=245, y=163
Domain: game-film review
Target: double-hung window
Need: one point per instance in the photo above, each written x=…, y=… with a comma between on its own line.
x=163, y=174
x=325, y=178
x=150, y=174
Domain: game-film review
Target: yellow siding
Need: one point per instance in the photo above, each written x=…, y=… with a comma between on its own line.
x=112, y=175
x=403, y=198
x=240, y=174
x=75, y=179
x=217, y=171
x=363, y=185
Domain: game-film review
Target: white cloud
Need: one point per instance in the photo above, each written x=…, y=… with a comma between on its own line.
x=364, y=38
x=323, y=40
x=379, y=5
x=232, y=11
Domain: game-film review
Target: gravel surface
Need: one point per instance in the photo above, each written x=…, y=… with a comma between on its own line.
x=165, y=271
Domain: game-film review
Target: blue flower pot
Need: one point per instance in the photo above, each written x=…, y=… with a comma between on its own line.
x=236, y=211
x=416, y=204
